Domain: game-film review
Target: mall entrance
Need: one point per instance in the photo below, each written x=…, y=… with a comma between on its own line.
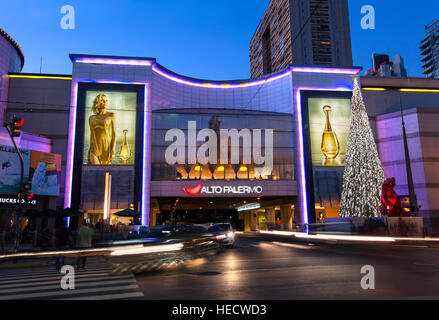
x=245, y=214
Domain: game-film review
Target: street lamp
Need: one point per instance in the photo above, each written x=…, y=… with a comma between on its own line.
x=14, y=130
x=413, y=200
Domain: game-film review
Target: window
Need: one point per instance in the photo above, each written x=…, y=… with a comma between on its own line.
x=283, y=141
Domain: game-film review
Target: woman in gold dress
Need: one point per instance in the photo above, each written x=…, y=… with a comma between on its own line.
x=102, y=133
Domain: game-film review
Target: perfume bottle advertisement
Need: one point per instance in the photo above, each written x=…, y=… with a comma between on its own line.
x=329, y=121
x=110, y=128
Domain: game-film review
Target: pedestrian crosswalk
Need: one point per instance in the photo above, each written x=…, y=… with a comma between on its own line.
x=44, y=283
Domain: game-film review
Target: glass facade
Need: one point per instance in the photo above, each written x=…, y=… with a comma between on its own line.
x=283, y=145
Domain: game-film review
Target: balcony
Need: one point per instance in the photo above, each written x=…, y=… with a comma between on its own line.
x=428, y=64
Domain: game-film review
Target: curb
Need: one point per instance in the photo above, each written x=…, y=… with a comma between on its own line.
x=399, y=242
x=23, y=266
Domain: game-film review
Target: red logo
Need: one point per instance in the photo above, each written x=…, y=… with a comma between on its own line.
x=193, y=191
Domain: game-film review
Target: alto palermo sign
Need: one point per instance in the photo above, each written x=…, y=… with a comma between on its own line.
x=211, y=190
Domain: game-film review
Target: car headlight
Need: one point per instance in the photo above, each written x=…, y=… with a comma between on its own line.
x=230, y=234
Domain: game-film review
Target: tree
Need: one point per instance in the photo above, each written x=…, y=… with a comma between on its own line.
x=363, y=176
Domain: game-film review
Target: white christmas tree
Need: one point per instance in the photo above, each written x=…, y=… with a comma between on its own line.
x=363, y=176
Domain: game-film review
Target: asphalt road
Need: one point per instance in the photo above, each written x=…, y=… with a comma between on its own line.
x=277, y=269
x=258, y=268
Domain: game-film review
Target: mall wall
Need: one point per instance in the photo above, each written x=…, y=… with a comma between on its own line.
x=423, y=142
x=10, y=61
x=45, y=106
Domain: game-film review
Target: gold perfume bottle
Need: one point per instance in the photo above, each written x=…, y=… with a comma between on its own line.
x=125, y=153
x=330, y=143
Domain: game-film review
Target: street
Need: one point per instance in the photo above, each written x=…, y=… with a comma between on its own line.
x=258, y=268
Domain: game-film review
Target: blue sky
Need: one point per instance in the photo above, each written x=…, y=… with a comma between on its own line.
x=199, y=38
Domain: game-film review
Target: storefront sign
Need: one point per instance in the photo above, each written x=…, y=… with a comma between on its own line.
x=232, y=190
x=223, y=190
x=11, y=201
x=250, y=206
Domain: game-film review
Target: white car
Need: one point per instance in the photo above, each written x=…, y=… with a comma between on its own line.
x=224, y=233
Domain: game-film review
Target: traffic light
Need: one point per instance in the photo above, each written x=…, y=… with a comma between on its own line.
x=28, y=195
x=27, y=187
x=17, y=123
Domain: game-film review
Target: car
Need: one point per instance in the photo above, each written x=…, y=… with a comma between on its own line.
x=224, y=233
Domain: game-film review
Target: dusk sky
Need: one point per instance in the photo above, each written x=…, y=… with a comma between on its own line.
x=198, y=38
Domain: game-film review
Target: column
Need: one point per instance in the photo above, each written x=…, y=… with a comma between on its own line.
x=254, y=221
x=247, y=222
x=286, y=217
x=271, y=217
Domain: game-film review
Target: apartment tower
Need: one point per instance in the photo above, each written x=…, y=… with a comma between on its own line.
x=301, y=32
x=430, y=51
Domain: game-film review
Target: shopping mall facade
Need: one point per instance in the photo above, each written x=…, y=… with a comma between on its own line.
x=158, y=110
x=134, y=134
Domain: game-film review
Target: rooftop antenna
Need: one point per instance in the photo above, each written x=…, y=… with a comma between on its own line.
x=41, y=64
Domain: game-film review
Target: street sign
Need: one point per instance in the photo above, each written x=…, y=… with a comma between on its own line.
x=11, y=201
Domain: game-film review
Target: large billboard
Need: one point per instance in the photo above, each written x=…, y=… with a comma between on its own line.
x=110, y=128
x=45, y=173
x=329, y=120
x=10, y=168
x=41, y=169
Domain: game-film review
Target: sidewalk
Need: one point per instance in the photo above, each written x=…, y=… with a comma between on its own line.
x=21, y=264
x=40, y=262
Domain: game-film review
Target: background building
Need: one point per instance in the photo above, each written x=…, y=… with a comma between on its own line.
x=430, y=50
x=12, y=60
x=383, y=67
x=325, y=39
x=42, y=168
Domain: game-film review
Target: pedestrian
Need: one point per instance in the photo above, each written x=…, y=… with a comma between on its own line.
x=85, y=237
x=61, y=240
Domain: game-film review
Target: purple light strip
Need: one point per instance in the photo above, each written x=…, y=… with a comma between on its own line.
x=301, y=144
x=325, y=70
x=122, y=62
x=212, y=85
x=111, y=81
x=218, y=85
x=71, y=145
x=145, y=164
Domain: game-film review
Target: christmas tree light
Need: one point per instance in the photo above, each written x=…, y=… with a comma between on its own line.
x=364, y=176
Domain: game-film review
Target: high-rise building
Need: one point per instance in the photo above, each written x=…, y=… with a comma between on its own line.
x=301, y=32
x=383, y=67
x=430, y=51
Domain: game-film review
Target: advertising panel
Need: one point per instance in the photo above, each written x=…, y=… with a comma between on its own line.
x=110, y=128
x=10, y=168
x=11, y=201
x=329, y=120
x=41, y=169
x=45, y=173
